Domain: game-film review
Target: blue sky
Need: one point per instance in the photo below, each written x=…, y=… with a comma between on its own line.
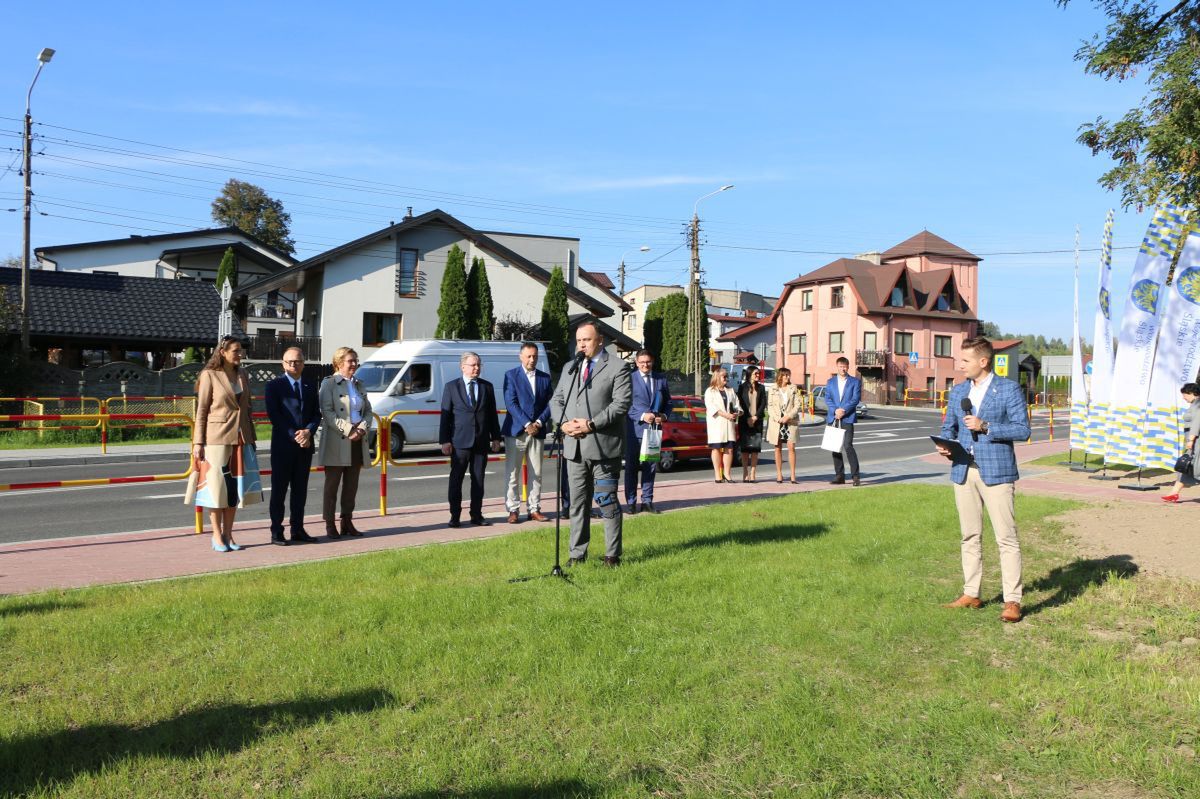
x=845, y=129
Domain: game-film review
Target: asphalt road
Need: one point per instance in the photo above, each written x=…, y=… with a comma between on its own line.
x=889, y=435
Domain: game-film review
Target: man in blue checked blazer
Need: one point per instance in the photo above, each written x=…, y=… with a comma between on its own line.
x=527, y=392
x=986, y=414
x=650, y=404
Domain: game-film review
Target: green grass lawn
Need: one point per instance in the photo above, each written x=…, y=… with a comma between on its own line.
x=52, y=439
x=784, y=647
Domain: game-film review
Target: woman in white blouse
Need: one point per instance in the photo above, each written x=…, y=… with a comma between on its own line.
x=345, y=422
x=722, y=411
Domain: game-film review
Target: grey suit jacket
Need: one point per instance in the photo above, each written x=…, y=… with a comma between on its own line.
x=605, y=399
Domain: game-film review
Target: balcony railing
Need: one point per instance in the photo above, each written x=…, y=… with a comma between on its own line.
x=266, y=347
x=270, y=311
x=871, y=358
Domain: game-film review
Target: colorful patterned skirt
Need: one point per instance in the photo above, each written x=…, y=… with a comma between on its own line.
x=228, y=477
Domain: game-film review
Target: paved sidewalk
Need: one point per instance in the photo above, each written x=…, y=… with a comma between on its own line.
x=177, y=551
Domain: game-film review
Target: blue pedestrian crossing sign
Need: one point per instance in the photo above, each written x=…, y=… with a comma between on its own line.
x=913, y=358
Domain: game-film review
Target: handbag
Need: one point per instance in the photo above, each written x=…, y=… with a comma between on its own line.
x=651, y=444
x=1184, y=464
x=834, y=437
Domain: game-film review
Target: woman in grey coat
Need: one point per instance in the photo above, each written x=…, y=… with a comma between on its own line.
x=1191, y=394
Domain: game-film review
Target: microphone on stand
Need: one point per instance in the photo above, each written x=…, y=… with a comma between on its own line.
x=966, y=408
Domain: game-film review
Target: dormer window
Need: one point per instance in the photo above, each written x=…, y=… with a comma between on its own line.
x=943, y=301
x=897, y=298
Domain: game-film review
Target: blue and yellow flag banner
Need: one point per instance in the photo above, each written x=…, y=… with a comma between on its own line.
x=1100, y=387
x=1175, y=361
x=1136, y=344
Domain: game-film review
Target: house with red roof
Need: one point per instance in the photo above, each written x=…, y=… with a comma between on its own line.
x=900, y=317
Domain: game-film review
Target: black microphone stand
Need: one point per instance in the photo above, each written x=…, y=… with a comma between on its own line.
x=557, y=439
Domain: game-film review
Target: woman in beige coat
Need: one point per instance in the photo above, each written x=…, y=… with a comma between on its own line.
x=345, y=423
x=223, y=432
x=721, y=414
x=783, y=420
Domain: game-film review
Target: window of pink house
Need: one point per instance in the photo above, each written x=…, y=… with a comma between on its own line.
x=837, y=297
x=806, y=301
x=835, y=342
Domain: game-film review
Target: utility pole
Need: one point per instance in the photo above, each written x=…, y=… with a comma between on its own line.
x=621, y=280
x=696, y=317
x=695, y=313
x=43, y=58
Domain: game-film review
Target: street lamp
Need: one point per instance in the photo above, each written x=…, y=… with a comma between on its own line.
x=695, y=307
x=621, y=278
x=43, y=59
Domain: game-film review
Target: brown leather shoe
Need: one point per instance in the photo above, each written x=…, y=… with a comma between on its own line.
x=331, y=531
x=611, y=562
x=1011, y=612
x=537, y=516
x=965, y=601
x=348, y=529
x=855, y=480
x=514, y=517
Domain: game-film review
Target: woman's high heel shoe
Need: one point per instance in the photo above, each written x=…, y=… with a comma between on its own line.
x=1172, y=498
x=234, y=547
x=219, y=547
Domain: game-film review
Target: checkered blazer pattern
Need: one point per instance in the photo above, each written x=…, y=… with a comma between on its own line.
x=1004, y=409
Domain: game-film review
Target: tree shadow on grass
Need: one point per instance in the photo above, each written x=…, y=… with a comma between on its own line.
x=775, y=534
x=38, y=606
x=51, y=759
x=1069, y=581
x=572, y=789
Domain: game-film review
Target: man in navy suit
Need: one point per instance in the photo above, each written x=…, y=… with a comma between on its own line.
x=986, y=414
x=527, y=402
x=469, y=429
x=843, y=392
x=651, y=401
x=295, y=414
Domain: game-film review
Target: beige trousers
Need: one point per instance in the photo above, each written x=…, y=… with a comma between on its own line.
x=971, y=497
x=518, y=450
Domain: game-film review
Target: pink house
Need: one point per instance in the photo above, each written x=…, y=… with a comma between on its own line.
x=879, y=310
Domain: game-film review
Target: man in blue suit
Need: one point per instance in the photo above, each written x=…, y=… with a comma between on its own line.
x=527, y=392
x=469, y=429
x=295, y=415
x=986, y=414
x=843, y=392
x=651, y=402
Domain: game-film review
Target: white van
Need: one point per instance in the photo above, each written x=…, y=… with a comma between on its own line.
x=410, y=376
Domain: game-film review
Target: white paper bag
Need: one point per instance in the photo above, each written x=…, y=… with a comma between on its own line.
x=651, y=445
x=833, y=438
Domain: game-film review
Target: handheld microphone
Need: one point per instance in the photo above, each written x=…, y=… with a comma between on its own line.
x=578, y=359
x=966, y=408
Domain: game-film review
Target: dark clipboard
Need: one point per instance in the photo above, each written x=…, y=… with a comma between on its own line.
x=957, y=453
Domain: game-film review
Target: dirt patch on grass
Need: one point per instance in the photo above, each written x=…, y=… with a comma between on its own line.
x=1160, y=539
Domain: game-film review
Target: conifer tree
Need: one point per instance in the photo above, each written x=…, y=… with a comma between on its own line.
x=556, y=324
x=452, y=310
x=227, y=270
x=481, y=316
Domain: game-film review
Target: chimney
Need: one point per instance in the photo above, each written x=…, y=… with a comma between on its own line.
x=409, y=214
x=873, y=256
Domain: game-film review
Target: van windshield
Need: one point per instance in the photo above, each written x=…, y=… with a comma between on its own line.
x=378, y=375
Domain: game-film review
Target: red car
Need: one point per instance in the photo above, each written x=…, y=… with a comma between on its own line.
x=685, y=427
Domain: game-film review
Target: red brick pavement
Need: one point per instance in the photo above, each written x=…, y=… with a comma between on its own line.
x=178, y=552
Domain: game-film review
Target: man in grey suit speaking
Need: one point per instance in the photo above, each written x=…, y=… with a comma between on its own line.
x=593, y=439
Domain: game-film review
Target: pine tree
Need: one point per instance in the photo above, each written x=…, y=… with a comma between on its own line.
x=481, y=316
x=452, y=311
x=556, y=324
x=227, y=270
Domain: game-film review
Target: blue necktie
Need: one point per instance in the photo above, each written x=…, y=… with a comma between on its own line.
x=471, y=393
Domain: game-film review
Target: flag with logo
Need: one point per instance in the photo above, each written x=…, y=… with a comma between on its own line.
x=1100, y=388
x=1139, y=335
x=1175, y=361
